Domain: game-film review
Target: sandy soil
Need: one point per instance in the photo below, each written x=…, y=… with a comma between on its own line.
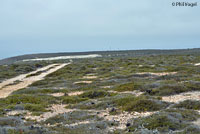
x=158, y=74
x=83, y=82
x=55, y=110
x=16, y=112
x=106, y=86
x=197, y=64
x=90, y=77
x=136, y=93
x=197, y=122
x=69, y=94
x=6, y=91
x=122, y=118
x=57, y=94
x=66, y=57
x=20, y=77
x=75, y=93
x=182, y=97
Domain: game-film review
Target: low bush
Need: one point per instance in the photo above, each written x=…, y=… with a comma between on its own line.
x=168, y=90
x=95, y=94
x=184, y=114
x=72, y=99
x=128, y=87
x=35, y=107
x=139, y=104
x=162, y=122
x=189, y=104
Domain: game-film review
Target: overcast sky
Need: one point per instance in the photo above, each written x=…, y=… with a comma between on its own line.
x=38, y=26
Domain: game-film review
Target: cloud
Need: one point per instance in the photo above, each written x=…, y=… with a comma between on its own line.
x=129, y=21
x=99, y=17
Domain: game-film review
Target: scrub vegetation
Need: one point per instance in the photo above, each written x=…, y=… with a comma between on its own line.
x=99, y=91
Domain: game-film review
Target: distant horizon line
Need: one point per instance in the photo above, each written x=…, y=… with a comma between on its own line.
x=114, y=50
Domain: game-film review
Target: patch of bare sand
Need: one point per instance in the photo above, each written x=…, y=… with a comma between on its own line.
x=70, y=125
x=136, y=93
x=182, y=97
x=106, y=86
x=57, y=94
x=83, y=82
x=55, y=110
x=90, y=77
x=16, y=112
x=146, y=65
x=78, y=123
x=158, y=74
x=75, y=93
x=22, y=76
x=197, y=122
x=122, y=118
x=197, y=64
x=26, y=81
x=67, y=94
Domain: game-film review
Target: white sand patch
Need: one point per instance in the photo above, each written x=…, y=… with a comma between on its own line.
x=106, y=86
x=71, y=125
x=78, y=123
x=22, y=76
x=197, y=64
x=90, y=77
x=26, y=81
x=197, y=122
x=75, y=93
x=67, y=94
x=182, y=97
x=55, y=110
x=122, y=118
x=158, y=74
x=16, y=112
x=66, y=57
x=136, y=93
x=57, y=94
x=83, y=82
x=91, y=74
x=146, y=65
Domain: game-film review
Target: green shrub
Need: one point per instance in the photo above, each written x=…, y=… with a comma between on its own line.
x=162, y=122
x=35, y=107
x=72, y=99
x=168, y=90
x=193, y=86
x=139, y=104
x=189, y=104
x=186, y=114
x=95, y=94
x=30, y=101
x=128, y=87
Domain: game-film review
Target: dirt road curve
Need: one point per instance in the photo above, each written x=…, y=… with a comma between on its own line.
x=6, y=89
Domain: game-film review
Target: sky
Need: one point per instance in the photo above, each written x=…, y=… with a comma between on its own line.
x=42, y=26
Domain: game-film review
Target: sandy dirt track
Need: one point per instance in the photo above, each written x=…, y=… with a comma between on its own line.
x=195, y=95
x=6, y=89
